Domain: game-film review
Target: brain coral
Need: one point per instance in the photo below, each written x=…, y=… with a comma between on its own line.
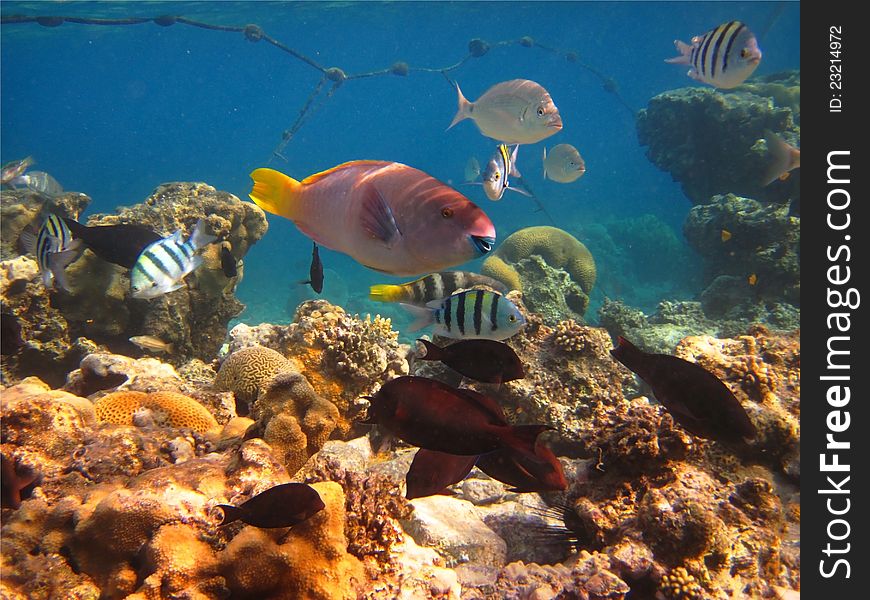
x=178, y=410
x=556, y=246
x=247, y=371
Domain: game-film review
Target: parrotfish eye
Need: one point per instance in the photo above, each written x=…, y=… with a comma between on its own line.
x=446, y=212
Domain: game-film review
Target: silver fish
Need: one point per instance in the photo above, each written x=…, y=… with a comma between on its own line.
x=13, y=169
x=496, y=176
x=563, y=164
x=39, y=181
x=152, y=344
x=472, y=170
x=162, y=266
x=515, y=112
x=723, y=57
x=469, y=314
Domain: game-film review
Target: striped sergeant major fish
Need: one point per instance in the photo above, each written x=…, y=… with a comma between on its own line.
x=723, y=57
x=162, y=266
x=54, y=248
x=435, y=286
x=469, y=314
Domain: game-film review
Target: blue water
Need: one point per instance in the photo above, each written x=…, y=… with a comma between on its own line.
x=115, y=111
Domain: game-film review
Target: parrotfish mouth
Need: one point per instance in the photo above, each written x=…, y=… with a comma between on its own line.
x=482, y=244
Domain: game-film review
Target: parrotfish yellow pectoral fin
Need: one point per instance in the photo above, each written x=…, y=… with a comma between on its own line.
x=274, y=192
x=384, y=292
x=377, y=217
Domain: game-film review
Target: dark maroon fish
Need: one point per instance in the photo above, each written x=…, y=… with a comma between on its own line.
x=315, y=271
x=526, y=472
x=488, y=361
x=229, y=264
x=696, y=398
x=433, y=415
x=284, y=505
x=433, y=472
x=10, y=334
x=119, y=244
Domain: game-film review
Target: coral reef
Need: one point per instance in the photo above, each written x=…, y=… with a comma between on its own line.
x=677, y=127
x=49, y=349
x=558, y=248
x=342, y=356
x=26, y=209
x=247, y=372
x=167, y=408
x=764, y=241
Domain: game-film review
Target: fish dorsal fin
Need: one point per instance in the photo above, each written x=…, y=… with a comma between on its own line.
x=486, y=403
x=346, y=165
x=377, y=217
x=177, y=237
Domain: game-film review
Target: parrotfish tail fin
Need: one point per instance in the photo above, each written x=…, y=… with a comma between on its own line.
x=524, y=437
x=685, y=51
x=782, y=157
x=464, y=110
x=274, y=192
x=433, y=352
x=384, y=292
x=423, y=316
x=200, y=237
x=231, y=513
x=515, y=172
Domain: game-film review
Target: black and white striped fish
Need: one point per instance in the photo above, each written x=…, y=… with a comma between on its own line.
x=469, y=314
x=162, y=266
x=723, y=57
x=501, y=166
x=54, y=248
x=435, y=286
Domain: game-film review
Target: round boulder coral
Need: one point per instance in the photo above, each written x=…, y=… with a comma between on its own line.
x=246, y=372
x=170, y=408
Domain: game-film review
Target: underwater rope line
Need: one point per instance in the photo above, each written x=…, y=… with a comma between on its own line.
x=254, y=33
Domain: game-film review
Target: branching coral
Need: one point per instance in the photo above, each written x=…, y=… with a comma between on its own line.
x=679, y=584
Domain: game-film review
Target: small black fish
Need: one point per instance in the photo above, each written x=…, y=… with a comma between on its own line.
x=489, y=361
x=229, y=264
x=10, y=334
x=432, y=472
x=315, y=273
x=696, y=398
x=284, y=505
x=119, y=244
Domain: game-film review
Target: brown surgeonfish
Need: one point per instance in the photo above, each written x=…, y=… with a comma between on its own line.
x=696, y=398
x=120, y=244
x=284, y=505
x=489, y=361
x=540, y=471
x=432, y=472
x=433, y=415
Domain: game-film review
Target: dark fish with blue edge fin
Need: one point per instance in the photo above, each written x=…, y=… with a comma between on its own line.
x=315, y=271
x=54, y=248
x=469, y=314
x=433, y=472
x=284, y=505
x=723, y=57
x=489, y=361
x=697, y=399
x=434, y=286
x=433, y=415
x=119, y=244
x=229, y=264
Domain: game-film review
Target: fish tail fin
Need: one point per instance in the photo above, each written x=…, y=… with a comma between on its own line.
x=464, y=110
x=524, y=437
x=57, y=262
x=433, y=352
x=385, y=292
x=231, y=513
x=274, y=192
x=782, y=157
x=515, y=172
x=199, y=237
x=423, y=316
x=685, y=51
x=28, y=241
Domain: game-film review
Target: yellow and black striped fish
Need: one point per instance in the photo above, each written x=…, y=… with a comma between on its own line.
x=54, y=248
x=469, y=314
x=434, y=286
x=723, y=57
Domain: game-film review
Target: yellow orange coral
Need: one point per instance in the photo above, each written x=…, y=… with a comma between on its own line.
x=247, y=371
x=557, y=247
x=178, y=410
